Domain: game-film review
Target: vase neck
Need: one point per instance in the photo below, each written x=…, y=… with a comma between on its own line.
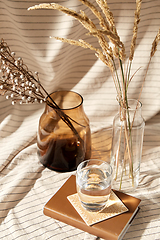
x=65, y=100
x=69, y=103
x=132, y=111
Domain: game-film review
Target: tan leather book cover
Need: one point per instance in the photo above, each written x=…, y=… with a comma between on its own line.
x=59, y=207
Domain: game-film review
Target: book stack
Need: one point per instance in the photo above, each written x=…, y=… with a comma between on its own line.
x=113, y=228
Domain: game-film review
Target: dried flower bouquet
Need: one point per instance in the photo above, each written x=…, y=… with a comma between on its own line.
x=22, y=86
x=111, y=49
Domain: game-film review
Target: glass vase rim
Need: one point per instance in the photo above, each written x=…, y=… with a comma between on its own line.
x=138, y=105
x=71, y=91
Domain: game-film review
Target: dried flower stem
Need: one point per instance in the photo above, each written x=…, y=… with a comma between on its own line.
x=153, y=50
x=154, y=44
x=19, y=84
x=135, y=29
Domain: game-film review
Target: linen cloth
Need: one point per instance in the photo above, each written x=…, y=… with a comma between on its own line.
x=25, y=185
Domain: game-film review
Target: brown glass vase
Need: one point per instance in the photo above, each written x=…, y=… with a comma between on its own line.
x=64, y=137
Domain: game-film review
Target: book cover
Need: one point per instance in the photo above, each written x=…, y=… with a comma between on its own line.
x=59, y=207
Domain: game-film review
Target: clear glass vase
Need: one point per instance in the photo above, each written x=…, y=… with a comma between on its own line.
x=64, y=137
x=127, y=143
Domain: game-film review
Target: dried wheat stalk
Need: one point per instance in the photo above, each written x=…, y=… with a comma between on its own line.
x=105, y=34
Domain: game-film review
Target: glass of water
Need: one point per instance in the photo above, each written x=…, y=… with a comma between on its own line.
x=93, y=182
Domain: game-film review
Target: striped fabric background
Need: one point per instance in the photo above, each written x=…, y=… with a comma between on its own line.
x=25, y=185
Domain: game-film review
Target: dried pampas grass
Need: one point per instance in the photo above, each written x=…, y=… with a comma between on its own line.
x=106, y=33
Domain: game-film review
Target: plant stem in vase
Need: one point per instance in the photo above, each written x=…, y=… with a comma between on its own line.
x=127, y=142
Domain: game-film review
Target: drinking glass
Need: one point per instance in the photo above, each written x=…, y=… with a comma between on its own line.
x=93, y=182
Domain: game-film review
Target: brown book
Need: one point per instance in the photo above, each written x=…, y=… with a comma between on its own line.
x=59, y=207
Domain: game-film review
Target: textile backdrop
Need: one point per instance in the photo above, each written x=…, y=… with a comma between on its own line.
x=25, y=185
